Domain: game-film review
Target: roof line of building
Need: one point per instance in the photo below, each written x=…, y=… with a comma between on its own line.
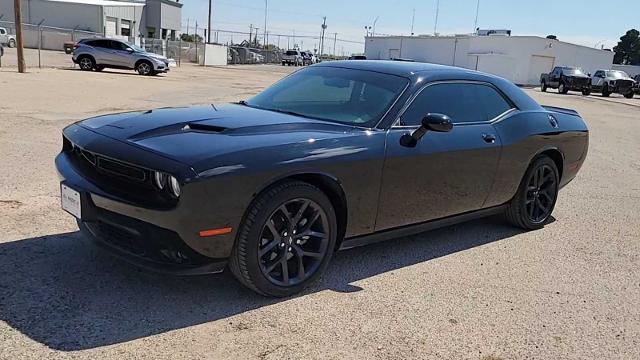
x=471, y=36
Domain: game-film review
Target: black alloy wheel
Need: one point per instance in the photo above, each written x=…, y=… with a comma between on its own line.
x=541, y=193
x=286, y=239
x=536, y=197
x=293, y=242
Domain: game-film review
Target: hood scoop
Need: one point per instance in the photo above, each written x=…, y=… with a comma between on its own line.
x=178, y=128
x=202, y=127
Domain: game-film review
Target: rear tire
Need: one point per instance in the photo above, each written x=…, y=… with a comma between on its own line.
x=536, y=197
x=268, y=246
x=86, y=63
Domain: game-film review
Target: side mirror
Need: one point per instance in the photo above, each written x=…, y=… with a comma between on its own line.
x=431, y=122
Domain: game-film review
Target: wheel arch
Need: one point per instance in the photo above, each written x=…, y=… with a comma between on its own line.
x=328, y=184
x=81, y=56
x=556, y=155
x=139, y=61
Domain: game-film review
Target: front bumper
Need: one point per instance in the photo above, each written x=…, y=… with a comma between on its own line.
x=156, y=239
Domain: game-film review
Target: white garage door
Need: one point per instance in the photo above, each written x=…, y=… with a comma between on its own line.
x=110, y=27
x=539, y=65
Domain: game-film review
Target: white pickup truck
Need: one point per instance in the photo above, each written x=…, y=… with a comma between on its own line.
x=292, y=57
x=6, y=39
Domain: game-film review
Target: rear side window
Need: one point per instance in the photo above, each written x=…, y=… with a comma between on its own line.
x=99, y=43
x=462, y=102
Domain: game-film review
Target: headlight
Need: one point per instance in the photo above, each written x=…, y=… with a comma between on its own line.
x=174, y=186
x=159, y=179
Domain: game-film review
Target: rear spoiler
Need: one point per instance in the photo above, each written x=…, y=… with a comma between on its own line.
x=561, y=110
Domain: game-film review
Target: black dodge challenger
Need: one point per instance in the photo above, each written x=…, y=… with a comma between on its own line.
x=337, y=155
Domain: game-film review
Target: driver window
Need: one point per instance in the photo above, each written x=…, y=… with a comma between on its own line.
x=462, y=102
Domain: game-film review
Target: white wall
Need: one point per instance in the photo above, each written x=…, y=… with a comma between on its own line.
x=214, y=54
x=506, y=56
x=632, y=70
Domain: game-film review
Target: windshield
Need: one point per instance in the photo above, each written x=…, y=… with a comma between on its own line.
x=347, y=96
x=617, y=74
x=574, y=72
x=136, y=48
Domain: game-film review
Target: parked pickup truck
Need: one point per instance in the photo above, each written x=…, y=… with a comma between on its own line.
x=636, y=86
x=6, y=39
x=292, y=57
x=608, y=82
x=566, y=78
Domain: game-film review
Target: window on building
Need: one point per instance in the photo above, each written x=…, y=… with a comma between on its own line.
x=462, y=102
x=125, y=28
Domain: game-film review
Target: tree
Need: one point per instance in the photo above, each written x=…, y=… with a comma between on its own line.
x=627, y=52
x=191, y=38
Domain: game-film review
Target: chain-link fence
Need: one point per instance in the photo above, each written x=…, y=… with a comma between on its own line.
x=247, y=55
x=47, y=37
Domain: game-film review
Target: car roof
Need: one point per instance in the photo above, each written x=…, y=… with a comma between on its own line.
x=399, y=68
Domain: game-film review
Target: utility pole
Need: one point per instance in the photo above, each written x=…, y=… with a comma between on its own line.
x=335, y=39
x=475, y=26
x=250, y=33
x=22, y=66
x=324, y=27
x=210, y=8
x=188, y=26
x=265, y=24
x=413, y=19
x=435, y=26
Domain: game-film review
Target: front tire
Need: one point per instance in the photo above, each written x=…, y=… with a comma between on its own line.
x=586, y=92
x=144, y=68
x=605, y=91
x=562, y=88
x=543, y=86
x=286, y=240
x=629, y=95
x=536, y=198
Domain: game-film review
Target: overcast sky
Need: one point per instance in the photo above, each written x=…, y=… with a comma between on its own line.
x=587, y=22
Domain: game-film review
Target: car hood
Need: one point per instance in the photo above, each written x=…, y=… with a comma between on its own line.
x=194, y=134
x=576, y=76
x=156, y=56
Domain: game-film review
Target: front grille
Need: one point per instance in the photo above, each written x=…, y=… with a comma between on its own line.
x=110, y=166
x=118, y=178
x=624, y=84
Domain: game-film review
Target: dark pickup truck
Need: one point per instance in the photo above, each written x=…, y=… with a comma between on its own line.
x=566, y=78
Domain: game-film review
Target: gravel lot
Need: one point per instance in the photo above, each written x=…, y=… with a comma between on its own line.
x=481, y=290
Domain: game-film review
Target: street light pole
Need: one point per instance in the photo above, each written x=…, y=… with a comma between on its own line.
x=373, y=31
x=265, y=24
x=475, y=26
x=435, y=26
x=210, y=8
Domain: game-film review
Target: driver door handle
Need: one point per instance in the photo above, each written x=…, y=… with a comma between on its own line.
x=489, y=138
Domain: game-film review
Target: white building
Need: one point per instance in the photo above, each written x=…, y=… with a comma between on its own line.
x=126, y=19
x=520, y=59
